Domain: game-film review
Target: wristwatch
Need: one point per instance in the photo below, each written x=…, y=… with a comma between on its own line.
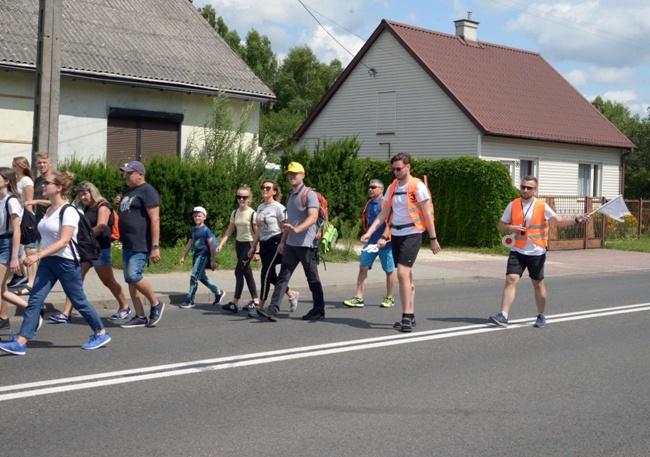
x=155, y=246
x=383, y=237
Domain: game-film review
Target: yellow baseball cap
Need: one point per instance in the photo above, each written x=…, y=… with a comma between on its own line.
x=294, y=167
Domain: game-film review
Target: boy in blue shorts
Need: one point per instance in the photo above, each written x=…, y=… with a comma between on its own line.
x=203, y=246
x=380, y=238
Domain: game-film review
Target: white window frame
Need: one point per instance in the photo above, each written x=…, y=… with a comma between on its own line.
x=534, y=163
x=594, y=173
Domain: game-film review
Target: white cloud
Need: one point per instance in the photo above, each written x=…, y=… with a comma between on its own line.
x=576, y=78
x=601, y=32
x=324, y=45
x=621, y=96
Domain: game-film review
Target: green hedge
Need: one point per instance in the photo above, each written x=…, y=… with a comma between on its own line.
x=469, y=194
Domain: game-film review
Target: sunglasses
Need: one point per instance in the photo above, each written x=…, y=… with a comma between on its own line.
x=241, y=197
x=47, y=183
x=527, y=188
x=398, y=169
x=266, y=187
x=373, y=187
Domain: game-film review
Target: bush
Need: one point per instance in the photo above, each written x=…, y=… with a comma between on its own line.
x=469, y=194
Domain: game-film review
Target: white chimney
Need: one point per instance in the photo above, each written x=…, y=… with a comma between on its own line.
x=467, y=28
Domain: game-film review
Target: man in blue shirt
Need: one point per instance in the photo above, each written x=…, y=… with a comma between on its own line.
x=380, y=238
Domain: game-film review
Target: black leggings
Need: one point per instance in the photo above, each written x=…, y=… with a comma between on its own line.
x=271, y=258
x=243, y=270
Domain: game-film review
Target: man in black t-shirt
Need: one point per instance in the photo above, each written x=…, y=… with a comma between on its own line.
x=139, y=226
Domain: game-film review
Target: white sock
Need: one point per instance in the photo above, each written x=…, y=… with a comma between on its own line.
x=504, y=314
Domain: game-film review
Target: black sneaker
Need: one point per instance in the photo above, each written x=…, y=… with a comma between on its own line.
x=230, y=307
x=250, y=305
x=17, y=280
x=398, y=325
x=156, y=314
x=313, y=315
x=4, y=323
x=219, y=297
x=407, y=325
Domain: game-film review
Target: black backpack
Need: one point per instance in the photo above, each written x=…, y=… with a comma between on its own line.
x=28, y=230
x=87, y=245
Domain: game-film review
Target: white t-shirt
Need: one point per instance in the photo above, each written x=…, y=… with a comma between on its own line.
x=530, y=248
x=401, y=214
x=14, y=208
x=22, y=183
x=50, y=229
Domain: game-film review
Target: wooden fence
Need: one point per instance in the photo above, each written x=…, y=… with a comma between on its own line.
x=594, y=233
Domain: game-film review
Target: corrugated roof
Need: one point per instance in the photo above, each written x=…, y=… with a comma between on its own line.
x=155, y=41
x=504, y=91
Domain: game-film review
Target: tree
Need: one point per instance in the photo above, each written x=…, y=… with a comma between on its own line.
x=260, y=57
x=637, y=165
x=209, y=14
x=303, y=80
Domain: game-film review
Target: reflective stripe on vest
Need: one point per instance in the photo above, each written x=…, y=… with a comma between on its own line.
x=412, y=204
x=537, y=231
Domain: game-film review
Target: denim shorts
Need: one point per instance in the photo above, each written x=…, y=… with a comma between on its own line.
x=5, y=250
x=133, y=264
x=104, y=259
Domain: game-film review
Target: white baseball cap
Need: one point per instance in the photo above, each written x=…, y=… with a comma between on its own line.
x=200, y=209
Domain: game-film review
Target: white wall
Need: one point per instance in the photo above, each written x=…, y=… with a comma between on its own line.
x=428, y=124
x=558, y=163
x=84, y=109
x=16, y=119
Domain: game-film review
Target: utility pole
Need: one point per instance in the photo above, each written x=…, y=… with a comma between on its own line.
x=48, y=79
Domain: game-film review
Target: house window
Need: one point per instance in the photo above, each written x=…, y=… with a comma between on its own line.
x=511, y=168
x=527, y=167
x=589, y=178
x=386, y=112
x=136, y=134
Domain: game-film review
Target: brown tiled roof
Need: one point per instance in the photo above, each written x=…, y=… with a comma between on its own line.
x=503, y=91
x=161, y=42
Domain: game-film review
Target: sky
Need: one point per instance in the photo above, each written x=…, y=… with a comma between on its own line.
x=602, y=47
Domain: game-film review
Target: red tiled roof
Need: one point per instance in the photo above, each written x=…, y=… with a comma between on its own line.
x=503, y=91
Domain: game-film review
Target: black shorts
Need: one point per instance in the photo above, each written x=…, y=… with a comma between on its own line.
x=406, y=248
x=518, y=262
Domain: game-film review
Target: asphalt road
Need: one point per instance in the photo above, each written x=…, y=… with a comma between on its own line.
x=207, y=383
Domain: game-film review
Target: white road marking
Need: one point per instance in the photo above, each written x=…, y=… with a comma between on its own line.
x=33, y=389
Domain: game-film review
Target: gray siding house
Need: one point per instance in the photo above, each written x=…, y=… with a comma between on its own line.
x=138, y=78
x=438, y=95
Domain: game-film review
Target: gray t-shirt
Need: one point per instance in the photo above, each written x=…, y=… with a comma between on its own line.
x=296, y=215
x=269, y=220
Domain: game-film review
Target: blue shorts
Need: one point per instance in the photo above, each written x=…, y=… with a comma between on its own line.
x=385, y=256
x=104, y=259
x=5, y=250
x=133, y=264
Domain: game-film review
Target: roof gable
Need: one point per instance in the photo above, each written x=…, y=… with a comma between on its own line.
x=156, y=41
x=503, y=91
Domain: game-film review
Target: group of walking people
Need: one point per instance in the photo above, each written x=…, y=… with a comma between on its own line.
x=395, y=221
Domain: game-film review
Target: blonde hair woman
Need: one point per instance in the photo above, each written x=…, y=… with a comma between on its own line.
x=57, y=263
x=25, y=188
x=243, y=221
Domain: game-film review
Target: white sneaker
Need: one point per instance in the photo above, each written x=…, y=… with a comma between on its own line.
x=293, y=302
x=253, y=313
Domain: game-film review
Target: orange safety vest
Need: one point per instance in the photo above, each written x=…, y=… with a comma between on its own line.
x=537, y=231
x=412, y=205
